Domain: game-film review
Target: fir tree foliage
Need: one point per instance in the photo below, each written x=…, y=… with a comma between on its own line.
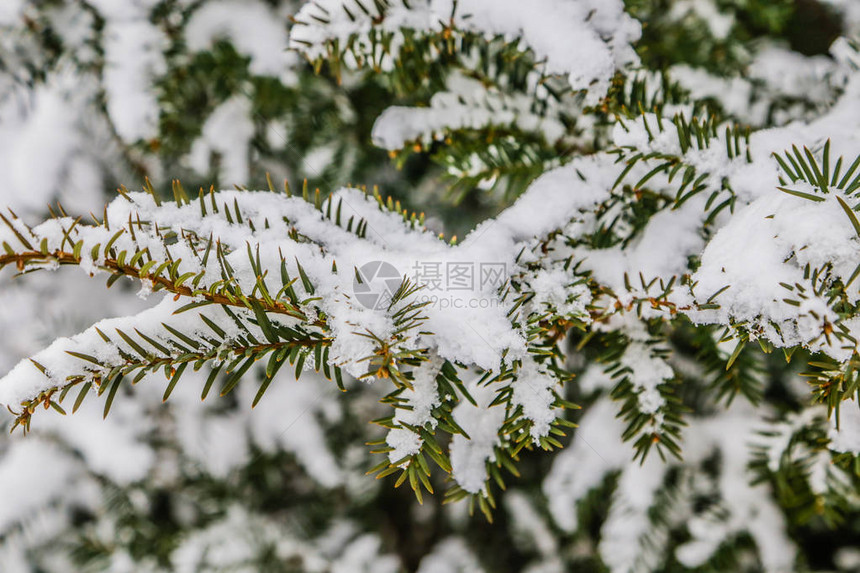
x=678, y=234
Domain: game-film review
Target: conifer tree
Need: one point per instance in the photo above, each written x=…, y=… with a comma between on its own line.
x=640, y=355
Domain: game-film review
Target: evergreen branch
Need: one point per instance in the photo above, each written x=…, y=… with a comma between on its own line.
x=172, y=351
x=680, y=169
x=229, y=296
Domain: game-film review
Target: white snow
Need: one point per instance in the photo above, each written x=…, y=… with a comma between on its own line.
x=468, y=104
x=420, y=401
x=586, y=40
x=265, y=45
x=481, y=422
x=846, y=438
x=52, y=147
x=451, y=555
x=227, y=133
x=134, y=59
